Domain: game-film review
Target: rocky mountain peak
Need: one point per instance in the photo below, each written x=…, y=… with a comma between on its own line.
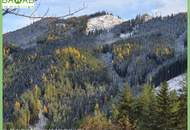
x=106, y=21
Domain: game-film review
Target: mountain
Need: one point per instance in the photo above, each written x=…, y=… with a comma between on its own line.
x=104, y=22
x=58, y=69
x=27, y=35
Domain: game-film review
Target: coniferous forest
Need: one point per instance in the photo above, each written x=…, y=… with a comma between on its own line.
x=67, y=74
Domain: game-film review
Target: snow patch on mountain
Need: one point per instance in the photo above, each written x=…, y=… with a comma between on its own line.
x=104, y=22
x=175, y=83
x=126, y=35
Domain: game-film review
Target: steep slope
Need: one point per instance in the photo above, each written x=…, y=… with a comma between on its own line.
x=52, y=29
x=54, y=70
x=27, y=36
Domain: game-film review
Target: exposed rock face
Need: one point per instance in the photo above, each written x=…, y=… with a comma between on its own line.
x=102, y=22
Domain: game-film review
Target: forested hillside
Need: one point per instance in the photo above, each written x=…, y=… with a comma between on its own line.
x=68, y=73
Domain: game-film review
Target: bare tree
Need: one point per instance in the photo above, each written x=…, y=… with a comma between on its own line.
x=15, y=12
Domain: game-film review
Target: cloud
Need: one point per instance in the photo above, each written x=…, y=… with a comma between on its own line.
x=124, y=8
x=171, y=6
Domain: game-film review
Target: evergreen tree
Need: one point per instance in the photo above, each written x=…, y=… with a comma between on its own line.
x=147, y=114
x=174, y=109
x=8, y=126
x=21, y=118
x=164, y=108
x=126, y=116
x=182, y=113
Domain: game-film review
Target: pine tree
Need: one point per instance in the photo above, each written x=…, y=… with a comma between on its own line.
x=182, y=113
x=164, y=108
x=126, y=115
x=174, y=109
x=147, y=115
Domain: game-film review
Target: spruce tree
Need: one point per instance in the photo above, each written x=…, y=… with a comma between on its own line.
x=164, y=108
x=147, y=102
x=174, y=109
x=182, y=113
x=126, y=115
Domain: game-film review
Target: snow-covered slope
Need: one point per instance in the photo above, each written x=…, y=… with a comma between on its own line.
x=102, y=22
x=175, y=83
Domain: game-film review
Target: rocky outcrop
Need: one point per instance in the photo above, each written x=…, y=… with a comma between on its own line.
x=102, y=23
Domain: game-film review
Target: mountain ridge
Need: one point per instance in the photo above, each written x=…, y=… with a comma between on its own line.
x=84, y=69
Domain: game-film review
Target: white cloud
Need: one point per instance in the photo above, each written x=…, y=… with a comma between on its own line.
x=171, y=6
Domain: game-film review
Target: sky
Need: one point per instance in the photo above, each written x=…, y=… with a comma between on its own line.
x=126, y=9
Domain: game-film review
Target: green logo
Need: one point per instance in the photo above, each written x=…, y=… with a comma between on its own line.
x=18, y=1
